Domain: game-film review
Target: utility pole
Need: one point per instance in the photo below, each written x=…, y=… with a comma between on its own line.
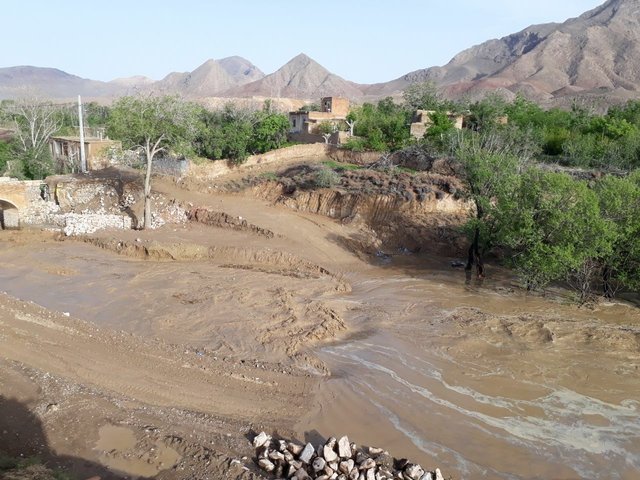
x=83, y=160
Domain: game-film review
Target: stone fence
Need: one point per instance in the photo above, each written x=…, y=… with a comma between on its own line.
x=171, y=166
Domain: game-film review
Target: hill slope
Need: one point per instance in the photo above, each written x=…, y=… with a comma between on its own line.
x=300, y=77
x=595, y=53
x=598, y=51
x=27, y=81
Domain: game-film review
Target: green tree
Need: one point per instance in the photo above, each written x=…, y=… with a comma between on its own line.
x=441, y=125
x=423, y=96
x=270, y=132
x=619, y=204
x=485, y=114
x=34, y=122
x=490, y=169
x=154, y=124
x=554, y=230
x=6, y=154
x=383, y=126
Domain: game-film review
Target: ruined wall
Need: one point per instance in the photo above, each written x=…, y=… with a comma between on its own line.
x=25, y=196
x=357, y=158
x=20, y=193
x=170, y=166
x=83, y=224
x=217, y=168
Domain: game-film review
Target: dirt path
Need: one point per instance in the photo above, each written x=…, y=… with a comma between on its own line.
x=179, y=341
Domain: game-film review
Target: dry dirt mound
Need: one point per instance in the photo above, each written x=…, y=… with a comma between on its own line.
x=224, y=220
x=263, y=259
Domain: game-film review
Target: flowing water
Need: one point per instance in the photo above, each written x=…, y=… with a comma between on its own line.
x=476, y=379
x=523, y=391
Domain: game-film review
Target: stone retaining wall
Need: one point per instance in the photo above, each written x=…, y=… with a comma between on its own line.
x=171, y=166
x=83, y=224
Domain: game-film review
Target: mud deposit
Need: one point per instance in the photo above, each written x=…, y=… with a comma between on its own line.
x=157, y=354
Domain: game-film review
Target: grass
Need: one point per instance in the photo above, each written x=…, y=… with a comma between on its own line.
x=341, y=166
x=11, y=463
x=269, y=176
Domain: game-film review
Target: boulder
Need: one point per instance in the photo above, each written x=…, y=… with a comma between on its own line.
x=344, y=448
x=318, y=464
x=413, y=471
x=329, y=454
x=266, y=465
x=261, y=439
x=307, y=453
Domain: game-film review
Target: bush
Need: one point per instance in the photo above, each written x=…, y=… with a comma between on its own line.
x=326, y=178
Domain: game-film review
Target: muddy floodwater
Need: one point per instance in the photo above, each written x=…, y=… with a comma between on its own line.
x=480, y=380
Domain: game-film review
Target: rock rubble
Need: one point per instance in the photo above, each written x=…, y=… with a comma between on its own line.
x=337, y=459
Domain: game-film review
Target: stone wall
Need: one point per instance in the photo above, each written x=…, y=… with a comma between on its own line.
x=83, y=224
x=171, y=166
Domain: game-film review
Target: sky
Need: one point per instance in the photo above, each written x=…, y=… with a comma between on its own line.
x=363, y=41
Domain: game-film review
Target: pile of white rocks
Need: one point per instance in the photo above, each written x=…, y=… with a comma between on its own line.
x=335, y=460
x=83, y=224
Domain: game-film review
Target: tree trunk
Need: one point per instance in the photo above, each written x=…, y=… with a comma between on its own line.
x=146, y=222
x=474, y=257
x=606, y=282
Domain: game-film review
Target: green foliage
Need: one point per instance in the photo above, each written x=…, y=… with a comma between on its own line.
x=6, y=154
x=382, y=127
x=553, y=226
x=36, y=165
x=33, y=121
x=235, y=133
x=270, y=132
x=489, y=175
x=310, y=107
x=578, y=137
x=326, y=178
x=550, y=226
x=424, y=96
x=355, y=144
x=340, y=166
x=145, y=121
x=326, y=127
x=96, y=115
x=620, y=203
x=440, y=127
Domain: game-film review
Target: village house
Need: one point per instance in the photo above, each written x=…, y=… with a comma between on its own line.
x=305, y=126
x=422, y=121
x=66, y=150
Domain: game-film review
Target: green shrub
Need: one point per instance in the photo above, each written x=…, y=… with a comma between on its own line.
x=326, y=178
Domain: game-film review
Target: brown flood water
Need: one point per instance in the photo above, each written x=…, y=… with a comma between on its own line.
x=556, y=395
x=479, y=381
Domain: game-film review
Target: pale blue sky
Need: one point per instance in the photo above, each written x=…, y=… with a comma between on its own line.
x=363, y=41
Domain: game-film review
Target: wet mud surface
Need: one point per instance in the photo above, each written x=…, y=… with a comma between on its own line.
x=171, y=346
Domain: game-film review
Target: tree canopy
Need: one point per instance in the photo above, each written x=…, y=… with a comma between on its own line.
x=155, y=124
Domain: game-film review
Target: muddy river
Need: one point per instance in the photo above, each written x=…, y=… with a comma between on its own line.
x=486, y=395
x=479, y=380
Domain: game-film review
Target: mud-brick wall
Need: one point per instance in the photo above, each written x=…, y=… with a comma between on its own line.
x=290, y=154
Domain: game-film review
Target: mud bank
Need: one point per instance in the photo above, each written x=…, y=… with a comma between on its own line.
x=190, y=339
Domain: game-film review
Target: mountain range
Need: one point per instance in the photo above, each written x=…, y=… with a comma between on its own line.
x=595, y=53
